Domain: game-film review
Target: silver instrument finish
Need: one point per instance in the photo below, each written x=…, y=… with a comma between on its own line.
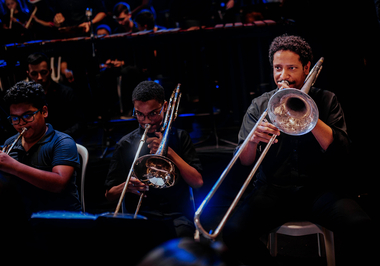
x=293, y=112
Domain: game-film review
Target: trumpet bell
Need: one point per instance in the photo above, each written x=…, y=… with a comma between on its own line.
x=293, y=112
x=156, y=171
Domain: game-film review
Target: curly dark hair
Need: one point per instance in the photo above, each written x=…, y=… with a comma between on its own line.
x=26, y=92
x=292, y=43
x=148, y=90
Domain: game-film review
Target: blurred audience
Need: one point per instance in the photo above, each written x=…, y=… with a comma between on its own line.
x=72, y=16
x=55, y=19
x=145, y=21
x=123, y=15
x=69, y=120
x=14, y=21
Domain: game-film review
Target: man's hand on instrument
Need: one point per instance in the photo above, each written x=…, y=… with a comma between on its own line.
x=6, y=162
x=154, y=143
x=135, y=186
x=264, y=133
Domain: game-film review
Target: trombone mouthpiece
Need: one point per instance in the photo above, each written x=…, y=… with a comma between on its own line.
x=320, y=61
x=285, y=81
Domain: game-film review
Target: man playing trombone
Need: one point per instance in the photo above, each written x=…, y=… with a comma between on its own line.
x=299, y=177
x=171, y=203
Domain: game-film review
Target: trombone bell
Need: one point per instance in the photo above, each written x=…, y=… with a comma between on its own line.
x=155, y=170
x=293, y=112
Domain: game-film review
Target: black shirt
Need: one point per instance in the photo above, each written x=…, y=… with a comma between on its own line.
x=173, y=200
x=64, y=111
x=300, y=160
x=74, y=11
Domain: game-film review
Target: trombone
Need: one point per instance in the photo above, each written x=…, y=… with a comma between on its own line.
x=292, y=111
x=7, y=149
x=154, y=169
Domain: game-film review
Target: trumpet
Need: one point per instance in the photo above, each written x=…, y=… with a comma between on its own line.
x=293, y=112
x=155, y=170
x=7, y=149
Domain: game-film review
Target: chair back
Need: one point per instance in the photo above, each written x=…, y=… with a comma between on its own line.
x=83, y=152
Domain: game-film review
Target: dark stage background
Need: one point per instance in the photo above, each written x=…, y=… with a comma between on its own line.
x=221, y=69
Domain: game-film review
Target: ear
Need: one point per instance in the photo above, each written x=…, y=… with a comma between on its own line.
x=44, y=111
x=165, y=106
x=306, y=68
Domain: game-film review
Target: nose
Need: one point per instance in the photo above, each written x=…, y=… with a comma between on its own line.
x=284, y=75
x=22, y=122
x=146, y=118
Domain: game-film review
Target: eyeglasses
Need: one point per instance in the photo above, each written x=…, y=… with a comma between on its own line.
x=152, y=115
x=43, y=72
x=27, y=118
x=120, y=18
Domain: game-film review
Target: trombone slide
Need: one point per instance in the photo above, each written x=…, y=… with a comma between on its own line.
x=142, y=141
x=309, y=81
x=200, y=209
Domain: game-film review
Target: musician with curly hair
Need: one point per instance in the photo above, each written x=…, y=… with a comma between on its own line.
x=301, y=176
x=43, y=162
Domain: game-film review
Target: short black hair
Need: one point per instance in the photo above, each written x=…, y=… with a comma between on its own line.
x=26, y=92
x=120, y=8
x=36, y=58
x=105, y=27
x=145, y=17
x=292, y=43
x=148, y=90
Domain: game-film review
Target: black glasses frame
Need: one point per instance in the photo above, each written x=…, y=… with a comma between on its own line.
x=27, y=118
x=151, y=115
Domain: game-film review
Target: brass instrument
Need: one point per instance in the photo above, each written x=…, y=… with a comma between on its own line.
x=11, y=18
x=293, y=112
x=30, y=18
x=7, y=149
x=142, y=141
x=156, y=170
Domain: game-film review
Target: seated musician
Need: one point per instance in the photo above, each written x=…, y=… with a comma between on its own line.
x=145, y=21
x=122, y=14
x=300, y=176
x=13, y=23
x=58, y=96
x=163, y=204
x=42, y=165
x=72, y=13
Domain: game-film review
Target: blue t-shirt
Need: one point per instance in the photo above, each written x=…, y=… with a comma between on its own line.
x=54, y=148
